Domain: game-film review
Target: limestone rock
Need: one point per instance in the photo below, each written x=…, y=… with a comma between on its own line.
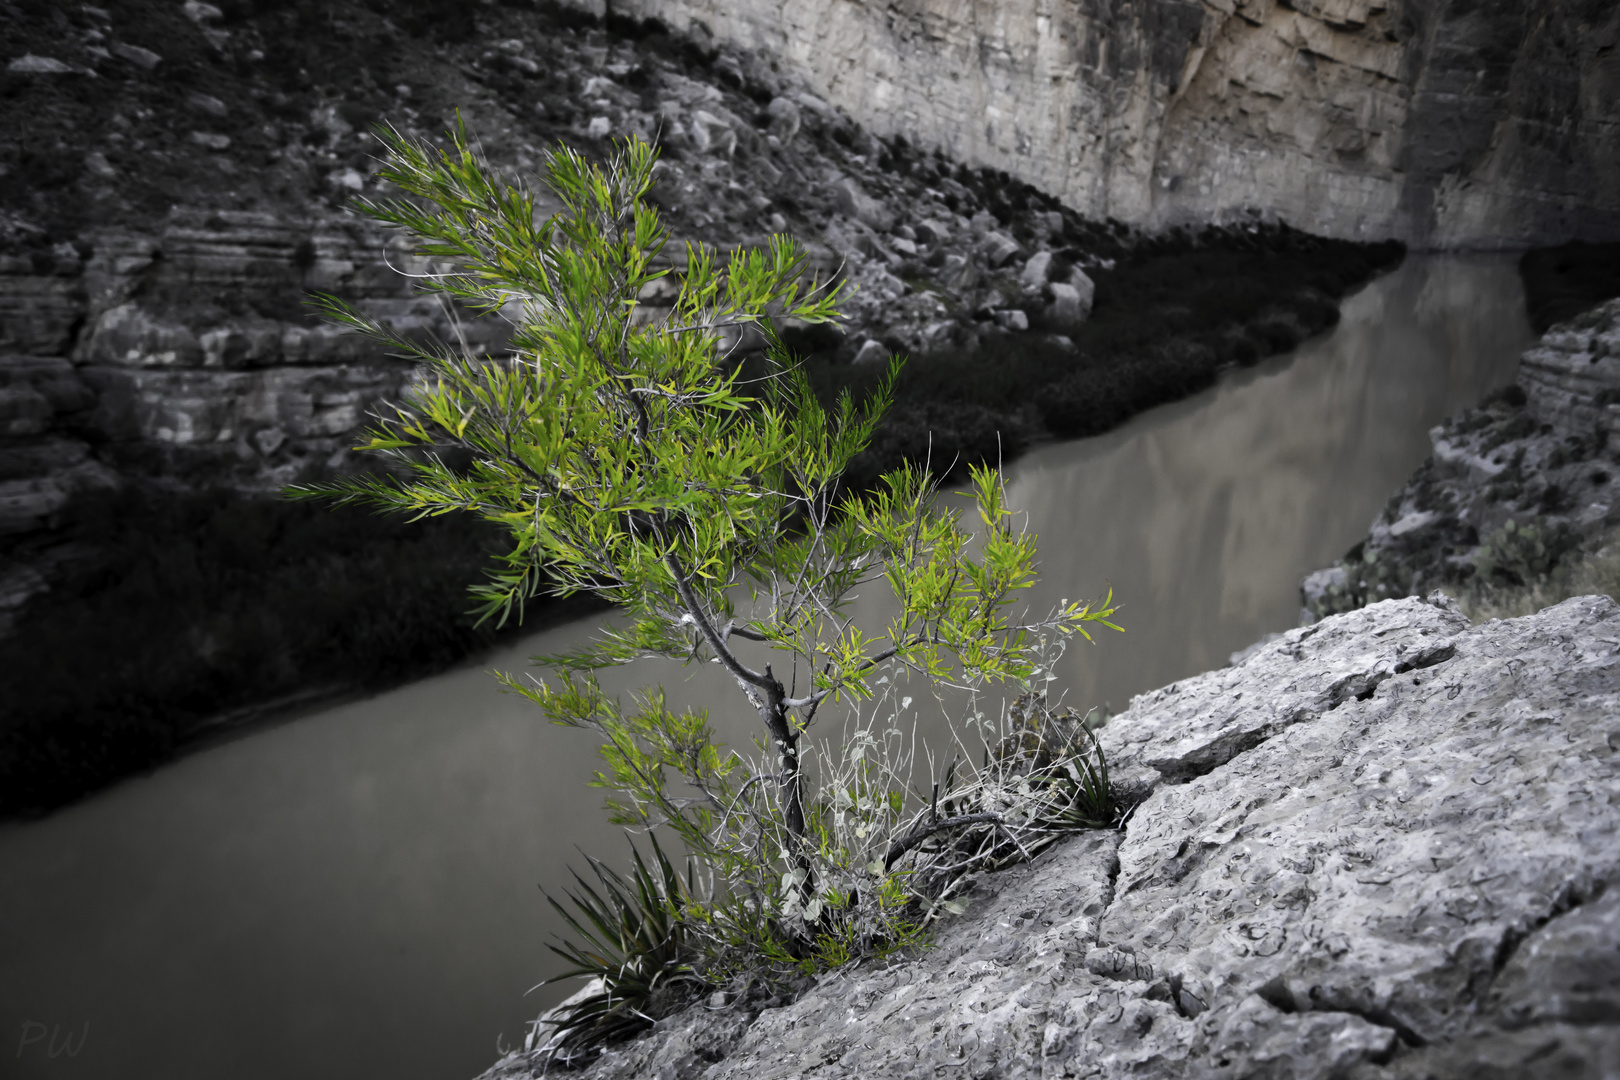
x=1422, y=119
x=1085, y=289
x=785, y=119
x=30, y=64
x=1571, y=376
x=1069, y=306
x=855, y=203
x=932, y=232
x=1405, y=880
x=145, y=59
x=1033, y=276
x=38, y=312
x=1190, y=728
x=998, y=248
x=1012, y=319
x=871, y=352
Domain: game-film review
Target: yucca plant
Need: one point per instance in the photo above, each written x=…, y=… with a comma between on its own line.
x=632, y=938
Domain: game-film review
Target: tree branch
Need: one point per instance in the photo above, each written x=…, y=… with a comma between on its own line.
x=727, y=658
x=917, y=835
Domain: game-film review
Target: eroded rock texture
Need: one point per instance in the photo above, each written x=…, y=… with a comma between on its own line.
x=1389, y=856
x=1435, y=122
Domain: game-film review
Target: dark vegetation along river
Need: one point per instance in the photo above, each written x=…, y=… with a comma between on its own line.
x=355, y=893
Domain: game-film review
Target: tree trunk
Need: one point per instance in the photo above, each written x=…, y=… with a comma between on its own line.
x=780, y=724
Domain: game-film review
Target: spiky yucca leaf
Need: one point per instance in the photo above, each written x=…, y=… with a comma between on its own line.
x=633, y=936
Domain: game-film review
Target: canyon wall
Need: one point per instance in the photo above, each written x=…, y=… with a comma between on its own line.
x=1442, y=123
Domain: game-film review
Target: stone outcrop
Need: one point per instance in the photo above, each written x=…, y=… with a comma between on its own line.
x=1513, y=486
x=1381, y=846
x=1445, y=125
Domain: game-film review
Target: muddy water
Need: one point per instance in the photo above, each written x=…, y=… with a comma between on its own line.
x=356, y=893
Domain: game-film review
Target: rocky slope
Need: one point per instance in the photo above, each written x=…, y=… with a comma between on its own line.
x=1452, y=125
x=173, y=180
x=1513, y=486
x=153, y=263
x=1381, y=846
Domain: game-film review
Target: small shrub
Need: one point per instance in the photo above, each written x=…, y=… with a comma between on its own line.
x=1368, y=578
x=1522, y=554
x=1592, y=571
x=622, y=460
x=632, y=939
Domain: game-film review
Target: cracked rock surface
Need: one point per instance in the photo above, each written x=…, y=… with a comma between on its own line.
x=1387, y=856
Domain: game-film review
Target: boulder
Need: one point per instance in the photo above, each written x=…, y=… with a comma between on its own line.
x=29, y=64
x=1011, y=319
x=1084, y=287
x=1033, y=276
x=959, y=274
x=712, y=134
x=1069, y=307
x=785, y=119
x=998, y=248
x=871, y=352
x=932, y=232
x=1377, y=847
x=145, y=59
x=854, y=203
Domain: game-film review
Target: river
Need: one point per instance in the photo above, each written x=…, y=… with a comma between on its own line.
x=356, y=892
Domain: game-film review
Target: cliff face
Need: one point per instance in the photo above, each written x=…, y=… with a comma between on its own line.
x=1440, y=123
x=1378, y=847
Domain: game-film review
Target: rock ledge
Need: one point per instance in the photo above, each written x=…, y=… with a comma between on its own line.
x=1386, y=856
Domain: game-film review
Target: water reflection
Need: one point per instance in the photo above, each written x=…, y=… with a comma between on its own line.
x=1205, y=514
x=357, y=892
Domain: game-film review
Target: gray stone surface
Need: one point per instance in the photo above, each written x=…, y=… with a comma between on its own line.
x=1402, y=874
x=1419, y=119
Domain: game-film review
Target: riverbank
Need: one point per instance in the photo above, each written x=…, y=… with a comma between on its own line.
x=193, y=611
x=1519, y=493
x=228, y=887
x=1170, y=315
x=196, y=616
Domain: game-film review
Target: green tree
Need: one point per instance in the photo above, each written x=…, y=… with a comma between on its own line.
x=630, y=458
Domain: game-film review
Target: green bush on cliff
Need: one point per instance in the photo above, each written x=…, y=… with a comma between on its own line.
x=628, y=459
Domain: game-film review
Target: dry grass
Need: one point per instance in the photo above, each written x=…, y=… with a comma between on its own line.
x=1597, y=571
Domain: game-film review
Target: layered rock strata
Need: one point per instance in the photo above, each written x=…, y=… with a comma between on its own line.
x=1381, y=846
x=1445, y=125
x=1513, y=486
x=178, y=348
